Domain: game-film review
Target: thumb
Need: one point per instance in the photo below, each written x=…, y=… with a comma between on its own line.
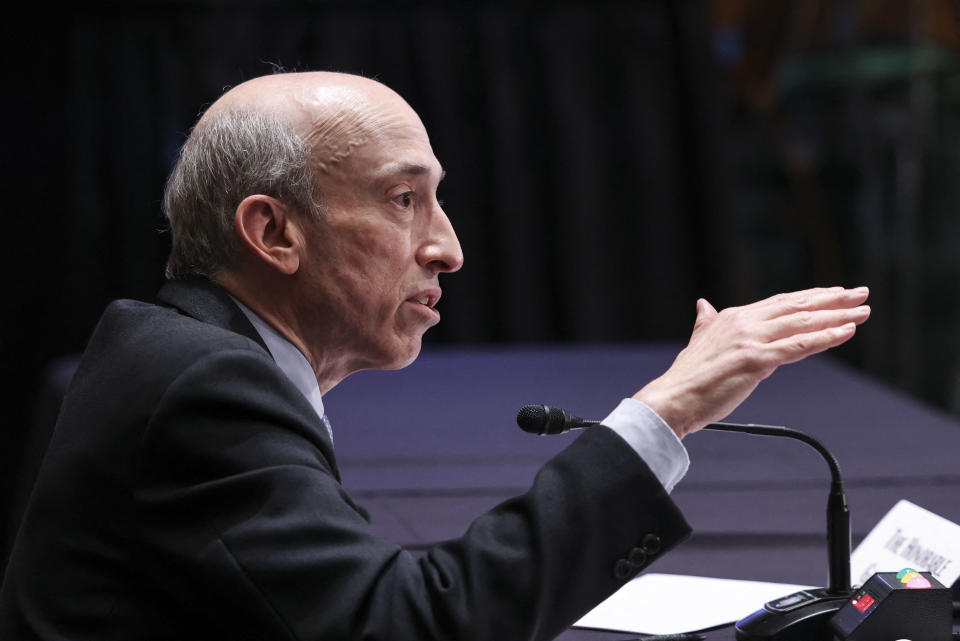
x=705, y=313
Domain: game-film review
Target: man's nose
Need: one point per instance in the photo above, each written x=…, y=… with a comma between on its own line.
x=441, y=251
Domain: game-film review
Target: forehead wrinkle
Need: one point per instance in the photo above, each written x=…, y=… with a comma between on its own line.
x=335, y=133
x=337, y=120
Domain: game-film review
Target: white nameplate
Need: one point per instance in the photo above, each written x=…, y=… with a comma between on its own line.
x=909, y=536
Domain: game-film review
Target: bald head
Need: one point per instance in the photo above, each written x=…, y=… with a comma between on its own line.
x=335, y=113
x=280, y=135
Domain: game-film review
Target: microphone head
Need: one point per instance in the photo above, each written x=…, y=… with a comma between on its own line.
x=543, y=420
x=533, y=418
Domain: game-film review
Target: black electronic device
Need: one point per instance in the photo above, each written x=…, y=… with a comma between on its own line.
x=896, y=605
x=800, y=616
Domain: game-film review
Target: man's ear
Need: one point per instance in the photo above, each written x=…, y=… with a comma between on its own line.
x=270, y=231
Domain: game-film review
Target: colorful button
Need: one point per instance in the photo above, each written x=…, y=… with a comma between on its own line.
x=904, y=571
x=918, y=583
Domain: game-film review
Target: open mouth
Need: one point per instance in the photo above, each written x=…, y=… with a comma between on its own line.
x=427, y=298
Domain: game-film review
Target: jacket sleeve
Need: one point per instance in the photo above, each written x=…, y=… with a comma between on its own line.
x=241, y=511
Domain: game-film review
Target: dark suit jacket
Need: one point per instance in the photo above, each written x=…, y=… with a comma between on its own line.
x=190, y=492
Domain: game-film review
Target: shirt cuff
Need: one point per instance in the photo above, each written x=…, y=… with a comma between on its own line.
x=652, y=439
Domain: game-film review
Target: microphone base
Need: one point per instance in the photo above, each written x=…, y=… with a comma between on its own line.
x=802, y=616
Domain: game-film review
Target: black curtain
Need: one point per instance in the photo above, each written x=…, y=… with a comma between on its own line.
x=584, y=174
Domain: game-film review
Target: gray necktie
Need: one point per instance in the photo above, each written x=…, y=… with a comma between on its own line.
x=326, y=424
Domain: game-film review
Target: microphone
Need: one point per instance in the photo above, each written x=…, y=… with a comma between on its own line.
x=838, y=514
x=544, y=420
x=805, y=614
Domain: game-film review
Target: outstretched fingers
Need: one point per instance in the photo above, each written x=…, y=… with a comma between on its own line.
x=805, y=322
x=820, y=298
x=796, y=347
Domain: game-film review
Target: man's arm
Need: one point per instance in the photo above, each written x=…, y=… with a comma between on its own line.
x=241, y=513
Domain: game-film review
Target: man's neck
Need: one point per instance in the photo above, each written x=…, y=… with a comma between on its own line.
x=275, y=308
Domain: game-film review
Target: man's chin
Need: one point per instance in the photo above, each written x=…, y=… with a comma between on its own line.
x=403, y=357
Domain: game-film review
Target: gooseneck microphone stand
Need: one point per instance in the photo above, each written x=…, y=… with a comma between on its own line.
x=802, y=616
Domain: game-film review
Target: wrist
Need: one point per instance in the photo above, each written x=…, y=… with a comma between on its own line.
x=665, y=406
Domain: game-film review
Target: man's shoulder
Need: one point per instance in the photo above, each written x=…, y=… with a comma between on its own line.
x=138, y=351
x=146, y=345
x=190, y=318
x=139, y=328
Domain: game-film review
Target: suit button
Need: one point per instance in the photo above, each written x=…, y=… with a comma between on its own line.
x=622, y=569
x=650, y=544
x=637, y=556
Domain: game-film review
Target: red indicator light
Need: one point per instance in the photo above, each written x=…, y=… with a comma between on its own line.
x=863, y=603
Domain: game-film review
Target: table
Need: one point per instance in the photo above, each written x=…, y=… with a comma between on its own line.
x=429, y=448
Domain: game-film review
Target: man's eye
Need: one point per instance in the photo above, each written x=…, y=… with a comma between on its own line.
x=405, y=199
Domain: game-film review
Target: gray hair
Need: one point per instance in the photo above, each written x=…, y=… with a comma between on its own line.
x=226, y=158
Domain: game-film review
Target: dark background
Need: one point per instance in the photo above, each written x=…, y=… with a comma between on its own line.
x=608, y=162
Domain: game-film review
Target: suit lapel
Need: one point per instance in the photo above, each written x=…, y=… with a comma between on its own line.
x=210, y=303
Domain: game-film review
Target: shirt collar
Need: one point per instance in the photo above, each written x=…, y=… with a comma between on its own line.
x=289, y=359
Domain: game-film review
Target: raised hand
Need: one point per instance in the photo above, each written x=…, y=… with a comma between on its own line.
x=731, y=351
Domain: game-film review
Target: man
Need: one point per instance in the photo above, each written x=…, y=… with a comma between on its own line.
x=191, y=489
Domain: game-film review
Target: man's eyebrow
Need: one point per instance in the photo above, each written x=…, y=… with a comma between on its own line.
x=408, y=169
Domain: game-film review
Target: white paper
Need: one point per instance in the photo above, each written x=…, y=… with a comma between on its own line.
x=909, y=536
x=676, y=603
